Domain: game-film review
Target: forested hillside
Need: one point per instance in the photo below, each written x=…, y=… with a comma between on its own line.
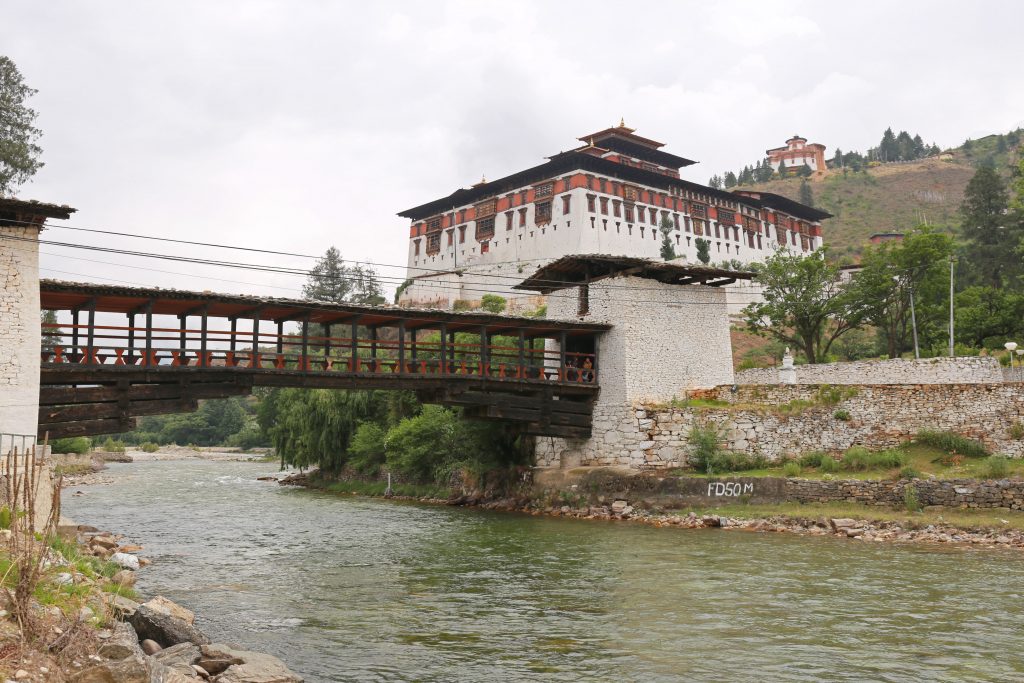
x=897, y=196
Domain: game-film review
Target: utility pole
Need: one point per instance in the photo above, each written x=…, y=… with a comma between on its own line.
x=952, y=260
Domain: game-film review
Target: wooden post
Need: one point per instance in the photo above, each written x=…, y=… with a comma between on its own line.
x=451, y=347
x=593, y=375
x=304, y=363
x=562, y=339
x=401, y=347
x=182, y=338
x=412, y=347
x=92, y=330
x=354, y=342
x=373, y=343
x=202, y=337
x=485, y=353
x=444, y=349
x=327, y=343
x=522, y=353
x=149, y=333
x=234, y=331
x=131, y=339
x=74, y=336
x=255, y=339
x=280, y=336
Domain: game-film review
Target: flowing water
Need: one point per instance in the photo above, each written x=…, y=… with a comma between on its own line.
x=355, y=589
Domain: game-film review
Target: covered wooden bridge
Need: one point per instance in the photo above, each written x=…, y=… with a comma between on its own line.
x=120, y=352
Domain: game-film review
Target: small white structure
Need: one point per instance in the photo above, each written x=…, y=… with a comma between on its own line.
x=20, y=338
x=787, y=373
x=670, y=335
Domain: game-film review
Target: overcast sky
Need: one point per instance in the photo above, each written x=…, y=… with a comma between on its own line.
x=298, y=125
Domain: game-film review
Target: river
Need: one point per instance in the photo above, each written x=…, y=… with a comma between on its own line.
x=357, y=589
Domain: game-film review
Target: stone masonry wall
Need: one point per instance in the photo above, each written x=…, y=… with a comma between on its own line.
x=943, y=370
x=880, y=416
x=19, y=334
x=666, y=340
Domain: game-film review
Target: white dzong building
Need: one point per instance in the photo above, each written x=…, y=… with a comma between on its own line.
x=615, y=194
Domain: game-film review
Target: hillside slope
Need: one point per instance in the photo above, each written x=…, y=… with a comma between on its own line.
x=893, y=197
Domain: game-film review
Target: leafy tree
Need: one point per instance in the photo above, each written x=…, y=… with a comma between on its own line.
x=892, y=272
x=988, y=316
x=366, y=450
x=668, y=250
x=730, y=179
x=315, y=426
x=806, y=195
x=51, y=336
x=19, y=153
x=703, y=250
x=803, y=303
x=990, y=236
x=492, y=303
x=804, y=171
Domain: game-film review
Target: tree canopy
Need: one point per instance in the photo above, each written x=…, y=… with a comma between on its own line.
x=19, y=153
x=333, y=281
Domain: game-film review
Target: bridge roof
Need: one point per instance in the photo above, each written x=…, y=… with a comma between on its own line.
x=62, y=295
x=570, y=271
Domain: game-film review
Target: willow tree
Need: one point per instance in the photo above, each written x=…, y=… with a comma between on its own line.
x=315, y=426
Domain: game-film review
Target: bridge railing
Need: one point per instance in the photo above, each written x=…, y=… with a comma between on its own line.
x=501, y=358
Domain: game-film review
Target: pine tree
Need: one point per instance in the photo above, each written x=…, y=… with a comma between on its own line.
x=19, y=155
x=991, y=240
x=703, y=250
x=888, y=149
x=806, y=196
x=332, y=281
x=920, y=151
x=668, y=250
x=837, y=160
x=730, y=179
x=715, y=182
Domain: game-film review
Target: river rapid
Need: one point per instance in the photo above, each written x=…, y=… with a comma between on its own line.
x=358, y=589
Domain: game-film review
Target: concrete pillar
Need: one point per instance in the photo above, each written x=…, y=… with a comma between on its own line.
x=19, y=335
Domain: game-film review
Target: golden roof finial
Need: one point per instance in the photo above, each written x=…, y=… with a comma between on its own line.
x=622, y=122
x=483, y=178
x=591, y=140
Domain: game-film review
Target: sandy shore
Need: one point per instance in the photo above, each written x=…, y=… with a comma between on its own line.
x=102, y=476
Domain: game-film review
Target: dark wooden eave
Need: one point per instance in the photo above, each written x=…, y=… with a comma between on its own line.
x=570, y=271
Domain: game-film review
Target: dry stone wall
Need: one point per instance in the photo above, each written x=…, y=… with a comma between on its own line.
x=943, y=370
x=779, y=421
x=19, y=334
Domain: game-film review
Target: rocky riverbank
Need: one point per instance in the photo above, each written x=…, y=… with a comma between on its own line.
x=118, y=639
x=859, y=528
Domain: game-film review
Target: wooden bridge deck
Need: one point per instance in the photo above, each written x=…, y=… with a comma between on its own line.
x=97, y=376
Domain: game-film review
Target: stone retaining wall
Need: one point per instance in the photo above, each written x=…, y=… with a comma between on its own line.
x=764, y=420
x=682, y=491
x=942, y=370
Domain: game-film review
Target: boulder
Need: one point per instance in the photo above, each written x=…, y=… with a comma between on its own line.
x=215, y=660
x=125, y=577
x=122, y=643
x=840, y=523
x=125, y=560
x=130, y=670
x=179, y=658
x=164, y=629
x=162, y=604
x=150, y=647
x=103, y=541
x=618, y=506
x=158, y=673
x=712, y=520
x=121, y=606
x=257, y=667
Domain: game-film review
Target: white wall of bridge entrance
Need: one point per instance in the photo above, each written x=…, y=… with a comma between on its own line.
x=19, y=336
x=666, y=340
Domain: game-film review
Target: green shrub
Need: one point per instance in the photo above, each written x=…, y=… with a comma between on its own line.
x=910, y=499
x=813, y=459
x=79, y=445
x=996, y=467
x=828, y=465
x=841, y=414
x=5, y=517
x=366, y=450
x=149, y=447
x=953, y=444
x=909, y=473
x=856, y=459
x=111, y=446
x=791, y=469
x=859, y=459
x=1017, y=430
x=461, y=305
x=706, y=449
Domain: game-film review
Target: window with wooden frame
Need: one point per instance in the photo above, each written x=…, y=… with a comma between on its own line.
x=416, y=245
x=462, y=234
x=485, y=228
x=654, y=216
x=726, y=217
x=485, y=209
x=566, y=203
x=629, y=213
x=698, y=226
x=434, y=224
x=617, y=208
x=543, y=190
x=508, y=220
x=604, y=205
x=698, y=211
x=433, y=243
x=542, y=213
x=451, y=237
x=583, y=306
x=630, y=193
x=522, y=217
x=591, y=203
